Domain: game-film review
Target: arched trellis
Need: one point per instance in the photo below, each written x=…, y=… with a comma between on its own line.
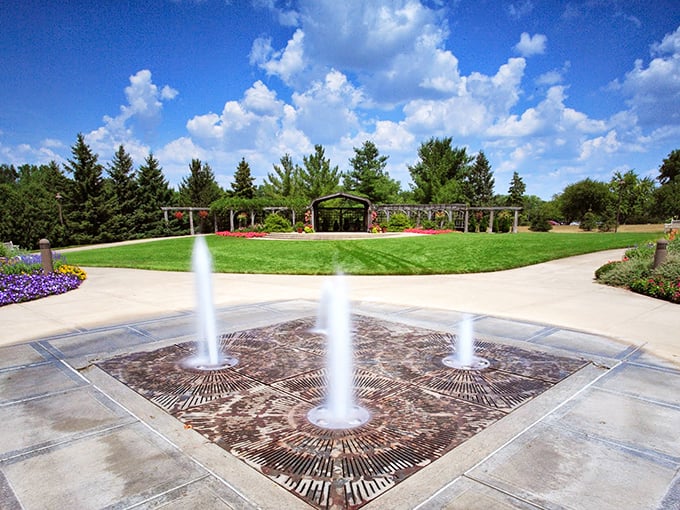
x=191, y=215
x=366, y=221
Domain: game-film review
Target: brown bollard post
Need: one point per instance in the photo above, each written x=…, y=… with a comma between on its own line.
x=46, y=256
x=661, y=252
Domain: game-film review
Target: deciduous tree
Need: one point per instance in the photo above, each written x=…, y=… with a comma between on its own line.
x=670, y=168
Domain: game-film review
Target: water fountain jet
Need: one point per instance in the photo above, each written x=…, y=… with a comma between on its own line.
x=339, y=411
x=464, y=358
x=209, y=355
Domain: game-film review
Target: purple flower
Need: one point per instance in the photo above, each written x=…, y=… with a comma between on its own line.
x=16, y=288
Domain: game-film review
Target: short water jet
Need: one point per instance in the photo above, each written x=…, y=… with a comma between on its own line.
x=464, y=358
x=209, y=355
x=339, y=411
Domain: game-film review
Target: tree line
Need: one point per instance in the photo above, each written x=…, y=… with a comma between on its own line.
x=85, y=202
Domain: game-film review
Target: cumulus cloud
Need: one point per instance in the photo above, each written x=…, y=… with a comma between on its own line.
x=393, y=47
x=243, y=124
x=21, y=153
x=137, y=119
x=327, y=108
x=531, y=45
x=286, y=63
x=653, y=91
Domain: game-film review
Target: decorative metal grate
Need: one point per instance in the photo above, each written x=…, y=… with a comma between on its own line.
x=420, y=408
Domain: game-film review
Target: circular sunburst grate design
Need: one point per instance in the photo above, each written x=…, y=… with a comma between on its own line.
x=420, y=409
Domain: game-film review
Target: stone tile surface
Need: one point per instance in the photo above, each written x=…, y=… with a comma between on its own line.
x=630, y=421
x=17, y=355
x=659, y=385
x=121, y=467
x=17, y=384
x=54, y=418
x=584, y=343
x=553, y=467
x=504, y=328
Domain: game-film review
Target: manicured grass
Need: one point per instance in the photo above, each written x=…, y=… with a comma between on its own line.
x=440, y=254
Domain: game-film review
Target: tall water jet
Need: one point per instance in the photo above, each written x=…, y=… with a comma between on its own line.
x=339, y=411
x=464, y=357
x=209, y=355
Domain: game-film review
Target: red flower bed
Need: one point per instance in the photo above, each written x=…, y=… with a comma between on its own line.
x=247, y=235
x=429, y=231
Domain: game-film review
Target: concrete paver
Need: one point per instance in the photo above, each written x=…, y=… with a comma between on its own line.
x=605, y=437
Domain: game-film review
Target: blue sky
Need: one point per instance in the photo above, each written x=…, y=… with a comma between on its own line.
x=555, y=90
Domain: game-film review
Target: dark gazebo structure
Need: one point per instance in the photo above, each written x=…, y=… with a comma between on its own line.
x=354, y=215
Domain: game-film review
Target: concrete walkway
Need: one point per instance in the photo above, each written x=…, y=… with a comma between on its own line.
x=560, y=292
x=603, y=438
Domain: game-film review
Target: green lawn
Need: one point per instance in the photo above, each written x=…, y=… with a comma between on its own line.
x=437, y=254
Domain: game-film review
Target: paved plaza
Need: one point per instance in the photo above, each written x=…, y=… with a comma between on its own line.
x=601, y=434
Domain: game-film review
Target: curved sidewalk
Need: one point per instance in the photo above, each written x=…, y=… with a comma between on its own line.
x=561, y=293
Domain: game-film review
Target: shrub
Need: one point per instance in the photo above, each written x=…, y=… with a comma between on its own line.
x=641, y=252
x=670, y=269
x=540, y=223
x=658, y=288
x=503, y=221
x=622, y=274
x=276, y=223
x=602, y=270
x=589, y=222
x=399, y=222
x=428, y=224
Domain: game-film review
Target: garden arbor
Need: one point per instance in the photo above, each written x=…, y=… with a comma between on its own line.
x=347, y=213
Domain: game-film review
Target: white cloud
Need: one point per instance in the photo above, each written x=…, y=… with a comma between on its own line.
x=554, y=76
x=22, y=153
x=285, y=64
x=518, y=10
x=531, y=45
x=653, y=92
x=143, y=110
x=242, y=125
x=327, y=108
x=601, y=144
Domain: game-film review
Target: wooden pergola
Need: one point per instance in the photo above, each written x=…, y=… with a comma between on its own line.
x=191, y=215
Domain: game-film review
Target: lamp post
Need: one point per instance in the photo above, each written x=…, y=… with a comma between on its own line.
x=61, y=218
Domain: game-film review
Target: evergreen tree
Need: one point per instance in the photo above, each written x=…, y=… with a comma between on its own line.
x=368, y=177
x=243, y=182
x=8, y=174
x=438, y=176
x=31, y=205
x=282, y=183
x=199, y=188
x=86, y=210
x=516, y=191
x=153, y=192
x=317, y=177
x=479, y=182
x=122, y=195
